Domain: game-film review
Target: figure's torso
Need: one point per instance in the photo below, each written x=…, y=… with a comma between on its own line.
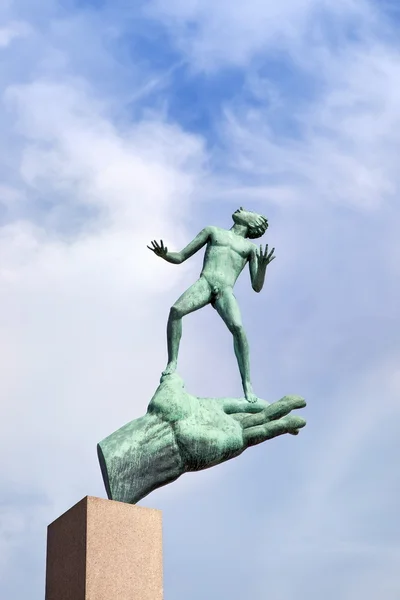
x=226, y=256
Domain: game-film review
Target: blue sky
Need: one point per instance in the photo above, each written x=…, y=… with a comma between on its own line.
x=124, y=122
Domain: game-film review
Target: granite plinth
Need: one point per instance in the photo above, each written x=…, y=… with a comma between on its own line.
x=102, y=549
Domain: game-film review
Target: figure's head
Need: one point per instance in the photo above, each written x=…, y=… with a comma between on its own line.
x=256, y=224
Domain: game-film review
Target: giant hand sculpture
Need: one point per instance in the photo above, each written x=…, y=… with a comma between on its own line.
x=182, y=433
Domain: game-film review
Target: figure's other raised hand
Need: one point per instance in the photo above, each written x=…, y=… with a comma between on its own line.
x=265, y=257
x=158, y=248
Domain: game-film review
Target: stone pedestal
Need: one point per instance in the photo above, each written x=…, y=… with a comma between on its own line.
x=105, y=550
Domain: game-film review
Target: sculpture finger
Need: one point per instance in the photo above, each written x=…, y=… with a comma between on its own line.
x=291, y=402
x=261, y=433
x=274, y=411
x=234, y=406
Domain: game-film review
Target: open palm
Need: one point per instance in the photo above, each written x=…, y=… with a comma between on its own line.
x=182, y=433
x=212, y=430
x=158, y=248
x=265, y=257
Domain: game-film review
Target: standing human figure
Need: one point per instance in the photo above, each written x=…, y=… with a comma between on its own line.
x=227, y=253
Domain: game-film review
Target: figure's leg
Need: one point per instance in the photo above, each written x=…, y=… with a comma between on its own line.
x=197, y=296
x=228, y=309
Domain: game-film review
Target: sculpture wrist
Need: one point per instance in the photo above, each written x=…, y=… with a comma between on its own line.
x=138, y=458
x=174, y=258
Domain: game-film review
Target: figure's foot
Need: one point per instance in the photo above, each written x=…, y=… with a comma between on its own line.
x=170, y=368
x=249, y=394
x=251, y=397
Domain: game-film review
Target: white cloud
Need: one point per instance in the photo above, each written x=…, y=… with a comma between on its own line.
x=215, y=34
x=344, y=119
x=346, y=142
x=12, y=31
x=330, y=537
x=11, y=528
x=84, y=303
x=324, y=161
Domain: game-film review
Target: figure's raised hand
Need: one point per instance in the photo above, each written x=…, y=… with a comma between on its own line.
x=158, y=248
x=264, y=257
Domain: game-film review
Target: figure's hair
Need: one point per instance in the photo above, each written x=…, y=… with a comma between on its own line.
x=257, y=226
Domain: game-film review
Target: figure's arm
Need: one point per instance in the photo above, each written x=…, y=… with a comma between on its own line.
x=257, y=277
x=258, y=262
x=177, y=258
x=195, y=245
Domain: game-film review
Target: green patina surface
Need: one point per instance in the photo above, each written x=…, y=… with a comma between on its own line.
x=180, y=432
x=227, y=254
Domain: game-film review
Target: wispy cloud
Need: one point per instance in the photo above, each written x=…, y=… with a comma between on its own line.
x=93, y=167
x=215, y=36
x=317, y=145
x=12, y=31
x=86, y=193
